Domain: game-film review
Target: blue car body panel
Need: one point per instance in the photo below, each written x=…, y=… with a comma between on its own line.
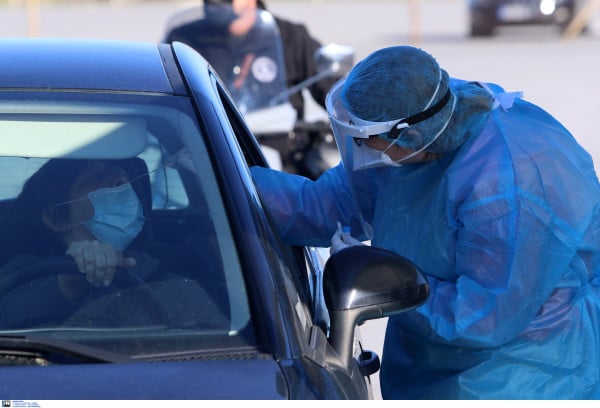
x=98, y=65
x=243, y=379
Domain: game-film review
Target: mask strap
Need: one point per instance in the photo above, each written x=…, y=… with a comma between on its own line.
x=394, y=133
x=426, y=113
x=389, y=161
x=385, y=158
x=437, y=88
x=104, y=188
x=70, y=201
x=159, y=168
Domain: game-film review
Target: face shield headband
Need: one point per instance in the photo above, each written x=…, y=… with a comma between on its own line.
x=363, y=129
x=349, y=130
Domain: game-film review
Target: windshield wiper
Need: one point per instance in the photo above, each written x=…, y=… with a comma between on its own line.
x=53, y=349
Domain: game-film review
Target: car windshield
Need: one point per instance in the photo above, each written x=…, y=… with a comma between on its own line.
x=73, y=172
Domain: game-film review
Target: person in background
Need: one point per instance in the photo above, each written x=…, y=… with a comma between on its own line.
x=299, y=46
x=496, y=203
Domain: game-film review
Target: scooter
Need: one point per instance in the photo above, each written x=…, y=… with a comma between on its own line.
x=252, y=67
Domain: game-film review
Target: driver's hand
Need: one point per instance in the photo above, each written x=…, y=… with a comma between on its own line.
x=98, y=261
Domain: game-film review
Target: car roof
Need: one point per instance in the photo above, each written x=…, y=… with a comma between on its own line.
x=82, y=64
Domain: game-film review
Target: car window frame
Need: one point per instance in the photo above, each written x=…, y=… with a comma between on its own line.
x=300, y=299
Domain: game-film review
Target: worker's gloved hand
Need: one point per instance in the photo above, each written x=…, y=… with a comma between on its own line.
x=98, y=261
x=342, y=239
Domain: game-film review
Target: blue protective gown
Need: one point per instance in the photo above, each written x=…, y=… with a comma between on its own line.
x=507, y=231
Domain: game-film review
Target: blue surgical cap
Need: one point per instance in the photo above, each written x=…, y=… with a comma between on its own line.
x=399, y=82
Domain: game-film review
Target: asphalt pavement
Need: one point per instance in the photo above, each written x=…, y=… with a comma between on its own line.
x=559, y=75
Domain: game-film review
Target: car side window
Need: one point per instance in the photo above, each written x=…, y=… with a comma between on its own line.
x=299, y=283
x=141, y=170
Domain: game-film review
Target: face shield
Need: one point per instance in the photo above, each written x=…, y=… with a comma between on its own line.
x=352, y=132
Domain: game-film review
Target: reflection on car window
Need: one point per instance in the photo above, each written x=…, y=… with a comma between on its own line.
x=118, y=244
x=168, y=191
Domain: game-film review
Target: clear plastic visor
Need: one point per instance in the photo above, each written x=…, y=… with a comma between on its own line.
x=349, y=125
x=349, y=131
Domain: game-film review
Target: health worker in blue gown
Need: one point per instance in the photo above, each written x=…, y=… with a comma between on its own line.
x=492, y=198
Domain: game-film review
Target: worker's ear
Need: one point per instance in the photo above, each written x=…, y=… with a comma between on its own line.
x=52, y=220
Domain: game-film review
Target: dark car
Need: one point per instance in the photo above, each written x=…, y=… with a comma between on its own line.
x=486, y=15
x=215, y=305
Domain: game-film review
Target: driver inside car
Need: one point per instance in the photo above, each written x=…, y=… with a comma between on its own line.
x=103, y=216
x=87, y=209
x=77, y=248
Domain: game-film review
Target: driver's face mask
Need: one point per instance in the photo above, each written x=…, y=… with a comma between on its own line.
x=118, y=215
x=351, y=132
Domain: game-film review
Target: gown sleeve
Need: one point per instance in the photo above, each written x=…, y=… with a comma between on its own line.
x=306, y=212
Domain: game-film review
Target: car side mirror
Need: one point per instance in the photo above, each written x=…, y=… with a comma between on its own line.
x=363, y=283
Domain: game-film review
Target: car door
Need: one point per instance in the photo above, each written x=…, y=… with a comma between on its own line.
x=295, y=273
